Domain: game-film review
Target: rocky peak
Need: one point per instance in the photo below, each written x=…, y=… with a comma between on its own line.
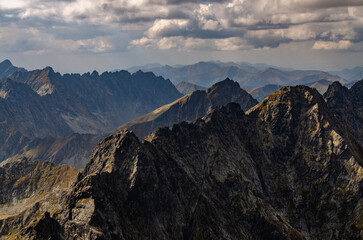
x=337, y=90
x=95, y=74
x=7, y=68
x=288, y=100
x=6, y=63
x=39, y=80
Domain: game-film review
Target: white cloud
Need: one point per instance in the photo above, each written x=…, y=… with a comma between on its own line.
x=13, y=4
x=329, y=45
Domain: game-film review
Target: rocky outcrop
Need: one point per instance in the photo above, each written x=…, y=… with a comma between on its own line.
x=347, y=105
x=191, y=107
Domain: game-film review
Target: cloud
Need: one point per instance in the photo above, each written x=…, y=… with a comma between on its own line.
x=96, y=26
x=329, y=45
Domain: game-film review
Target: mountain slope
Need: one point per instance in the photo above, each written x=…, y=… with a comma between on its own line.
x=191, y=107
x=321, y=85
x=286, y=170
x=347, y=105
x=75, y=150
x=28, y=190
x=186, y=87
x=260, y=93
x=7, y=68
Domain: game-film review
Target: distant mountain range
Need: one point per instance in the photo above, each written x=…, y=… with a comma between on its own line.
x=260, y=93
x=247, y=75
x=353, y=74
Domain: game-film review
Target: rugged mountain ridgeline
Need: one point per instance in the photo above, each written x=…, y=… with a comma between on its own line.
x=41, y=104
x=247, y=75
x=287, y=169
x=191, y=107
x=93, y=102
x=7, y=68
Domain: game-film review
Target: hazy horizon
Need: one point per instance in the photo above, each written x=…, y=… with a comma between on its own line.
x=56, y=68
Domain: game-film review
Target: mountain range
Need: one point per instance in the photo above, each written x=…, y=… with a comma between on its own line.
x=288, y=168
x=247, y=75
x=42, y=106
x=353, y=74
x=213, y=164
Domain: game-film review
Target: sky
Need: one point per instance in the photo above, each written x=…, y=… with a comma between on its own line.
x=83, y=35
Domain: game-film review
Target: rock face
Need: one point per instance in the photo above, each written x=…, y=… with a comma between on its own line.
x=45, y=104
x=347, y=105
x=191, y=107
x=186, y=87
x=285, y=170
x=7, y=68
x=29, y=191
